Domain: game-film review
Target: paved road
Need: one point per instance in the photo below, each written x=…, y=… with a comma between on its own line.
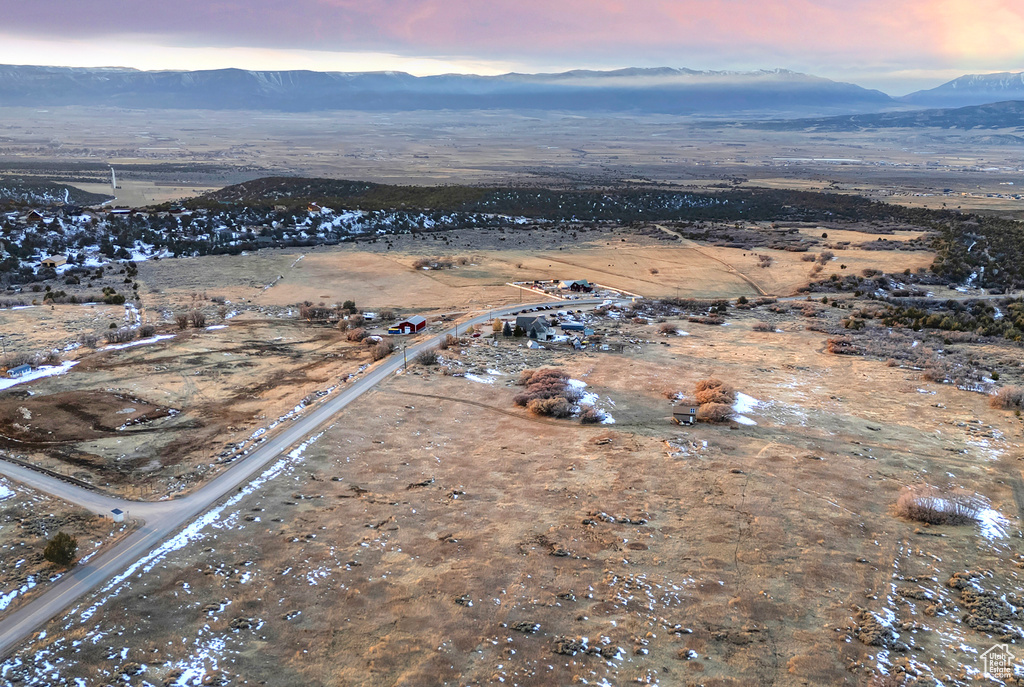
x=164, y=518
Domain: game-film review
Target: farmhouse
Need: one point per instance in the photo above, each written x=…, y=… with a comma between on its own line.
x=685, y=414
x=54, y=261
x=578, y=285
x=409, y=325
x=535, y=327
x=19, y=371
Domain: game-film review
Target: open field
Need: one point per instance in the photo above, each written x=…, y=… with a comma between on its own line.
x=160, y=155
x=140, y=193
x=157, y=418
x=436, y=534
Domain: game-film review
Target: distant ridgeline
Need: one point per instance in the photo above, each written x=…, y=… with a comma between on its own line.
x=590, y=205
x=283, y=211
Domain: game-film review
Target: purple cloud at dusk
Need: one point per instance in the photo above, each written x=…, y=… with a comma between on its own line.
x=870, y=41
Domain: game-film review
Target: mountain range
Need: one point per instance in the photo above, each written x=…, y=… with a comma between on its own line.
x=773, y=93
x=971, y=89
x=668, y=91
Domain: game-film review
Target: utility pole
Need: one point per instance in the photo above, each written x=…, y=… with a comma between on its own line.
x=405, y=356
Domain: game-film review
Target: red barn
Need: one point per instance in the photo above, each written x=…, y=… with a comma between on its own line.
x=409, y=326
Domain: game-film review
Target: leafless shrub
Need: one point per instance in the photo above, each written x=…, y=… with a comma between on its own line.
x=653, y=270
x=934, y=372
x=357, y=334
x=713, y=390
x=197, y=319
x=342, y=325
x=591, y=416
x=810, y=257
x=219, y=300
x=88, y=339
x=924, y=503
x=825, y=255
x=147, y=330
x=387, y=315
x=668, y=329
x=122, y=335
x=382, y=350
x=552, y=407
x=762, y=326
x=448, y=341
x=433, y=263
x=16, y=359
x=841, y=345
x=356, y=320
x=714, y=412
x=182, y=320
x=427, y=357
x=316, y=313
x=764, y=260
x=705, y=319
x=1008, y=398
x=545, y=383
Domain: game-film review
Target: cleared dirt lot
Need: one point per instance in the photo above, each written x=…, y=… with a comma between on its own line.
x=437, y=535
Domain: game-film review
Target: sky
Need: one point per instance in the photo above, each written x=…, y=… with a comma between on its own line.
x=894, y=45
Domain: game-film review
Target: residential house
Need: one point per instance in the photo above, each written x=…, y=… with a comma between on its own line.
x=19, y=371
x=536, y=327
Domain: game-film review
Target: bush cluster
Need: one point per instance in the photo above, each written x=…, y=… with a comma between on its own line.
x=122, y=335
x=382, y=349
x=546, y=385
x=713, y=390
x=193, y=318
x=714, y=399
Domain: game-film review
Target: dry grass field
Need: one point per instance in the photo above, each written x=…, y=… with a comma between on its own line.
x=147, y=420
x=205, y=149
x=436, y=534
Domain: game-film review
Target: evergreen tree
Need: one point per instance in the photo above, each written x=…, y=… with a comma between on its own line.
x=61, y=549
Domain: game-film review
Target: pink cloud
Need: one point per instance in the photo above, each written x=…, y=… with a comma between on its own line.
x=835, y=33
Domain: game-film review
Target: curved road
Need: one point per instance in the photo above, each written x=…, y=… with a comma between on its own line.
x=164, y=518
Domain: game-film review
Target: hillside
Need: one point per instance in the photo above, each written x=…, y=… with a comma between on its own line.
x=1002, y=115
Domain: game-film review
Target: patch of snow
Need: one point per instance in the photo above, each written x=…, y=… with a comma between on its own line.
x=993, y=525
x=216, y=327
x=744, y=403
x=479, y=380
x=743, y=420
x=140, y=342
x=5, y=492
